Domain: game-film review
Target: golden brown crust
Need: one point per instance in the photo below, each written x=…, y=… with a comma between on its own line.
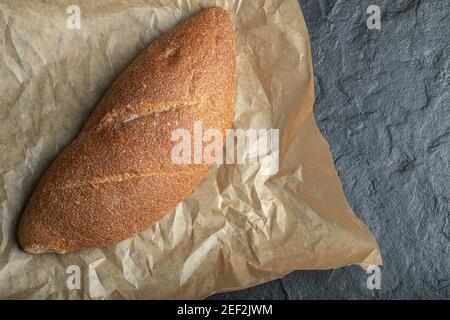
x=117, y=177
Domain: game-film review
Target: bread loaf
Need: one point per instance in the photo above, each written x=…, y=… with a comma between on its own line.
x=117, y=177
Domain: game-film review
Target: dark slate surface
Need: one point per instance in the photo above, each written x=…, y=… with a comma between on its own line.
x=383, y=104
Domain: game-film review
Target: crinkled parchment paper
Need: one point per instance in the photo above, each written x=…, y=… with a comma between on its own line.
x=239, y=228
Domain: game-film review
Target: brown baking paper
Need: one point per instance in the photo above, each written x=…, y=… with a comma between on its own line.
x=239, y=228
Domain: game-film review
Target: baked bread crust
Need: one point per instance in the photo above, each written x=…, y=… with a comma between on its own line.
x=117, y=177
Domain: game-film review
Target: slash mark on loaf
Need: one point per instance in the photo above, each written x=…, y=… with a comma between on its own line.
x=121, y=178
x=120, y=115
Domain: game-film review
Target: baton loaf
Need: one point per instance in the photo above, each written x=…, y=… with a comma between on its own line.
x=117, y=177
